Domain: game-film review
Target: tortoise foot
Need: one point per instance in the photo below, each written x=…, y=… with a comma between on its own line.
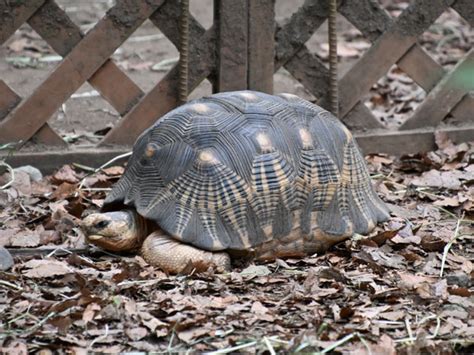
x=174, y=257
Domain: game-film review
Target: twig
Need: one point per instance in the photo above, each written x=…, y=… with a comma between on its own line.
x=99, y=338
x=269, y=346
x=12, y=175
x=6, y=283
x=234, y=348
x=118, y=157
x=46, y=251
x=363, y=341
x=338, y=343
x=40, y=323
x=411, y=338
x=409, y=331
x=448, y=246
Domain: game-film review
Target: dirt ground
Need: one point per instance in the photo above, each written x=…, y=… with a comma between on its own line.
x=407, y=288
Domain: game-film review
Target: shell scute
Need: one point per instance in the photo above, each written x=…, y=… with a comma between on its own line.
x=238, y=169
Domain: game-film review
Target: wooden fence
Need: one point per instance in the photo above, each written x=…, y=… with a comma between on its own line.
x=242, y=49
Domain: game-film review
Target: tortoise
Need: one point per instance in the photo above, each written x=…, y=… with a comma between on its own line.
x=238, y=175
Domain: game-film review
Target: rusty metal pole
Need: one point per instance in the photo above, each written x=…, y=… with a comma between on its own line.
x=332, y=39
x=183, y=51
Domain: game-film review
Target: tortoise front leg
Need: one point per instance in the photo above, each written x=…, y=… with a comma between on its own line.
x=174, y=257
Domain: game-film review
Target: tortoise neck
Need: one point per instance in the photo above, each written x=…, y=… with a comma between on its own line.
x=143, y=227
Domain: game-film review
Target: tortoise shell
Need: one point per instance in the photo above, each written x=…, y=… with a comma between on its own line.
x=238, y=169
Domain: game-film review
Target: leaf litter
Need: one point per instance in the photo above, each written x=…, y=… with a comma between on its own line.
x=379, y=293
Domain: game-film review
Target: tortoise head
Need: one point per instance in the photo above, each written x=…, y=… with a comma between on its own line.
x=114, y=231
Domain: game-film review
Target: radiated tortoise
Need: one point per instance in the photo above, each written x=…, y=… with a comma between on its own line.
x=238, y=174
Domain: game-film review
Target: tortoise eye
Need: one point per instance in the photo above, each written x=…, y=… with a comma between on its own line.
x=101, y=224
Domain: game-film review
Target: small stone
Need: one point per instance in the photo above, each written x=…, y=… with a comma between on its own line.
x=459, y=279
x=6, y=260
x=34, y=173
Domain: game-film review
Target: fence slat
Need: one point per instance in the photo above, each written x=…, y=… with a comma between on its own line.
x=449, y=91
x=86, y=57
x=299, y=29
x=164, y=96
x=166, y=18
x=261, y=39
x=360, y=118
x=388, y=48
x=412, y=141
x=372, y=20
x=49, y=161
x=57, y=29
x=232, y=27
x=48, y=136
x=369, y=18
x=465, y=9
x=462, y=112
x=14, y=15
x=310, y=71
x=8, y=99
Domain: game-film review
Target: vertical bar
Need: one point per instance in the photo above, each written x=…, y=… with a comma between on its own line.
x=183, y=51
x=232, y=26
x=261, y=37
x=332, y=39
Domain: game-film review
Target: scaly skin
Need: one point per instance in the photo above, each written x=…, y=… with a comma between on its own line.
x=126, y=231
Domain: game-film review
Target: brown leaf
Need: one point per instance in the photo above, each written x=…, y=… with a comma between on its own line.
x=46, y=268
x=64, y=191
x=90, y=312
x=136, y=333
x=189, y=335
x=65, y=174
x=25, y=239
x=113, y=170
x=258, y=308
x=440, y=179
x=382, y=237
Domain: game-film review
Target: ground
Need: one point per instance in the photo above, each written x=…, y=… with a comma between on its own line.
x=406, y=288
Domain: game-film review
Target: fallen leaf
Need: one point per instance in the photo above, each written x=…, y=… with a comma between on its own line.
x=255, y=271
x=46, y=268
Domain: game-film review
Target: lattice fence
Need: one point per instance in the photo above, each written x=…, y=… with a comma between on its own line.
x=242, y=49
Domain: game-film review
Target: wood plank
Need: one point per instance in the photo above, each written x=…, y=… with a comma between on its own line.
x=47, y=136
x=463, y=111
x=58, y=30
x=369, y=17
x=81, y=63
x=261, y=45
x=166, y=18
x=412, y=141
x=310, y=71
x=232, y=29
x=298, y=30
x=8, y=99
x=423, y=69
x=465, y=8
x=361, y=119
x=164, y=96
x=441, y=100
x=50, y=160
x=14, y=14
x=388, y=49
x=372, y=20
